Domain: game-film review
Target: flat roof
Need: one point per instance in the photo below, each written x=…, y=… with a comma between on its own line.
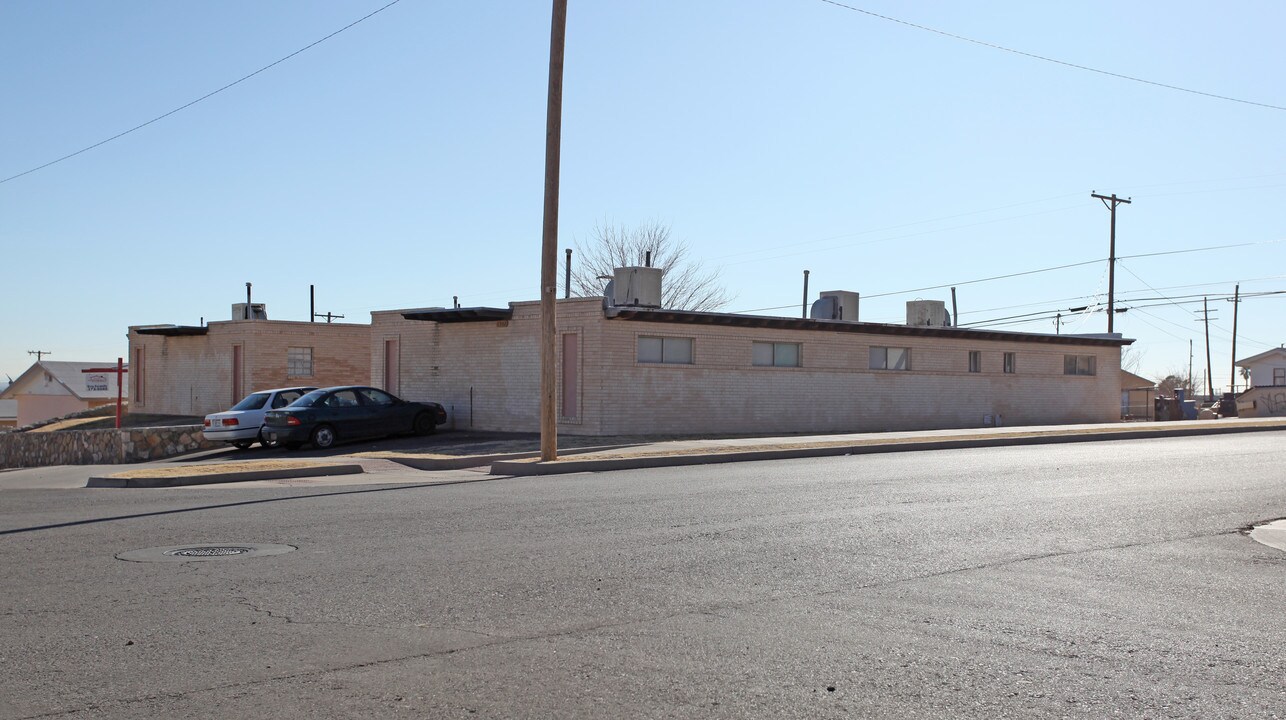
x=450, y=315
x=172, y=330
x=782, y=323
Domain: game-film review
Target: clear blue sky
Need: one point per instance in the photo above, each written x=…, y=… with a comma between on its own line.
x=400, y=162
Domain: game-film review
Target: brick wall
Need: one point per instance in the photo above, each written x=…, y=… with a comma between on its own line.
x=721, y=392
x=193, y=375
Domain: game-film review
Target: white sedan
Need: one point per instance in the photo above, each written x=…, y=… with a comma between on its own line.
x=242, y=424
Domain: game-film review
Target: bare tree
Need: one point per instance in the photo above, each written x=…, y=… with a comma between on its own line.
x=685, y=284
x=1131, y=357
x=1177, y=378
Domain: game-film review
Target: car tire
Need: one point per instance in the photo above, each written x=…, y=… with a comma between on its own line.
x=264, y=441
x=242, y=444
x=423, y=424
x=323, y=437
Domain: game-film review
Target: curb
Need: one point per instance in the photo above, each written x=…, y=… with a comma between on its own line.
x=472, y=461
x=558, y=467
x=111, y=481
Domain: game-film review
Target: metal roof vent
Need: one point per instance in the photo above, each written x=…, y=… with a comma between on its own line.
x=930, y=313
x=635, y=287
x=249, y=311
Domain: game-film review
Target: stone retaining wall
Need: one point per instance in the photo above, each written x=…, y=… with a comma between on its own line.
x=99, y=447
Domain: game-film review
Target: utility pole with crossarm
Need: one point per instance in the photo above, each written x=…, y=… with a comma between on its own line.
x=1111, y=201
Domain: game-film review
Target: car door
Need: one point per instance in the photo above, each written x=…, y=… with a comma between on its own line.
x=351, y=418
x=384, y=410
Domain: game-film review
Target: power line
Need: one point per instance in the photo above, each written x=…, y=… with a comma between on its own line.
x=1052, y=60
x=203, y=97
x=1043, y=315
x=1145, y=282
x=1033, y=272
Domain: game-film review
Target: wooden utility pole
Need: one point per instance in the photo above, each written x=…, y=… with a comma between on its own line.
x=1111, y=201
x=1205, y=317
x=549, y=239
x=1236, y=303
x=40, y=354
x=955, y=320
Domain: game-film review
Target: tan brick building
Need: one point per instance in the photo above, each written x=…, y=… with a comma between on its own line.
x=184, y=370
x=629, y=370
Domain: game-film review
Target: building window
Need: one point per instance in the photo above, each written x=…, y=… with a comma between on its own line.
x=766, y=354
x=1078, y=365
x=668, y=350
x=1279, y=376
x=1011, y=362
x=975, y=361
x=887, y=358
x=299, y=362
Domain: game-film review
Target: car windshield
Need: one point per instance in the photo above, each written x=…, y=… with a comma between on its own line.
x=252, y=402
x=309, y=400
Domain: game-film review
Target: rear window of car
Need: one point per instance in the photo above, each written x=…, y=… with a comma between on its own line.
x=285, y=398
x=310, y=399
x=252, y=402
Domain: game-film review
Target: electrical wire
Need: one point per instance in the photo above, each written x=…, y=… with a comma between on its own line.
x=1052, y=60
x=1033, y=272
x=203, y=97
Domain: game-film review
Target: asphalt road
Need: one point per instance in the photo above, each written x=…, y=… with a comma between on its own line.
x=1083, y=580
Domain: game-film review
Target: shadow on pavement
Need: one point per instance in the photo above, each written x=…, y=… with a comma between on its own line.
x=239, y=503
x=459, y=443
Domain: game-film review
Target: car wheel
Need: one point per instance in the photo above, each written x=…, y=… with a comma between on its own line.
x=424, y=424
x=323, y=437
x=264, y=441
x=242, y=444
x=292, y=445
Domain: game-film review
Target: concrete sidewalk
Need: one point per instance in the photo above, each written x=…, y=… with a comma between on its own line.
x=615, y=455
x=700, y=452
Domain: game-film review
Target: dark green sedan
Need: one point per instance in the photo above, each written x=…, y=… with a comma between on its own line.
x=349, y=412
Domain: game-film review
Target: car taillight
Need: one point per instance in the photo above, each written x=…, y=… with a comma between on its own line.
x=207, y=422
x=230, y=421
x=292, y=420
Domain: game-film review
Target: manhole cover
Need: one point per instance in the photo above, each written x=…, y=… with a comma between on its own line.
x=203, y=551
x=208, y=551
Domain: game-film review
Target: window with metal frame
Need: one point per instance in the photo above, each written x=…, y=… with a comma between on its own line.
x=1011, y=363
x=665, y=350
x=890, y=358
x=770, y=354
x=975, y=361
x=1079, y=365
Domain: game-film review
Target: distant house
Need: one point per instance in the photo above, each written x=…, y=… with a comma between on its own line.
x=197, y=370
x=1137, y=395
x=1267, y=369
x=51, y=389
x=1267, y=393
